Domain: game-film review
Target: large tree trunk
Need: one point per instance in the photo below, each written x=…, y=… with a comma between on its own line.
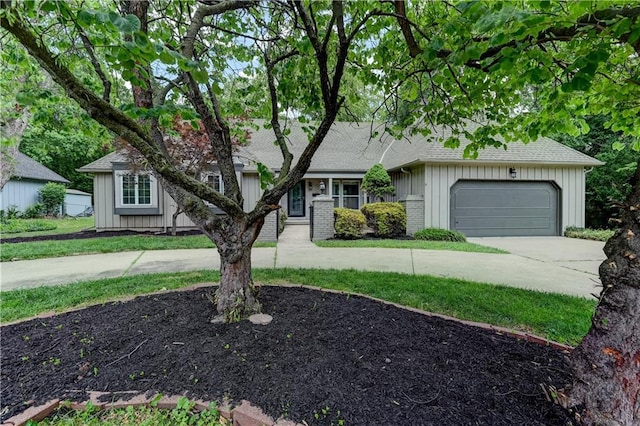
x=237, y=296
x=606, y=364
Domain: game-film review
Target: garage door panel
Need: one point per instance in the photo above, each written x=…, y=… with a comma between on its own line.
x=508, y=208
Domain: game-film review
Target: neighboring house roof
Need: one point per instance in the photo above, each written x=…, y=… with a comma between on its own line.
x=77, y=192
x=350, y=147
x=28, y=168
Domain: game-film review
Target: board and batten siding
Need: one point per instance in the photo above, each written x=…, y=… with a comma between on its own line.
x=21, y=193
x=409, y=182
x=438, y=180
x=105, y=219
x=251, y=191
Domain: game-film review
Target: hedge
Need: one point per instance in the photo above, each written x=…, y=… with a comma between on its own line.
x=348, y=223
x=387, y=220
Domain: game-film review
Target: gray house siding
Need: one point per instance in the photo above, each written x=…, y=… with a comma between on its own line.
x=409, y=182
x=22, y=194
x=107, y=220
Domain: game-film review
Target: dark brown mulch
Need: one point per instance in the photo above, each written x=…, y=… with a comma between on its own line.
x=325, y=357
x=93, y=234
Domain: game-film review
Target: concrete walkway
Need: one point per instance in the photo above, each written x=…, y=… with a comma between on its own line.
x=558, y=265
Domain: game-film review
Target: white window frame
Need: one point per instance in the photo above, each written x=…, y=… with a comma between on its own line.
x=215, y=179
x=119, y=191
x=340, y=196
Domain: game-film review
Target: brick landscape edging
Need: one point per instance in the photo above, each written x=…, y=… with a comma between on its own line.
x=244, y=414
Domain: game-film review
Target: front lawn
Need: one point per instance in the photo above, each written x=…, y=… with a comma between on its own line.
x=59, y=248
x=61, y=226
x=411, y=244
x=557, y=317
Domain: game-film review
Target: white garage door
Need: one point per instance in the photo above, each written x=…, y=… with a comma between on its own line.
x=504, y=208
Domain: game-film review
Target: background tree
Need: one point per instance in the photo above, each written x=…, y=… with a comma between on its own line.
x=609, y=185
x=377, y=182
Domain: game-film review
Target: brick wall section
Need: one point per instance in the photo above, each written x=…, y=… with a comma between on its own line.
x=269, y=231
x=414, y=206
x=322, y=218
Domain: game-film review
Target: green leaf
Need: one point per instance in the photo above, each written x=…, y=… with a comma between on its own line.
x=200, y=75
x=618, y=146
x=578, y=83
x=128, y=24
x=266, y=176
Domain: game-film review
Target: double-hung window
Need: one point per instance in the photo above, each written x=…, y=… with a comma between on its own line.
x=135, y=193
x=136, y=190
x=215, y=180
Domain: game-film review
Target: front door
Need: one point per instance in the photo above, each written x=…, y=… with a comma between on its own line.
x=296, y=200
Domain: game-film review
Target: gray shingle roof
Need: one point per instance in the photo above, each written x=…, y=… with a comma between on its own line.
x=104, y=164
x=543, y=151
x=346, y=148
x=28, y=168
x=350, y=147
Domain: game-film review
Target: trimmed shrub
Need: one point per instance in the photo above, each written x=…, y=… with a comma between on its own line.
x=52, y=196
x=438, y=234
x=34, y=212
x=348, y=223
x=387, y=220
x=378, y=182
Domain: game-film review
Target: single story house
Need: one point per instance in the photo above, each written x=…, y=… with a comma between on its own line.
x=533, y=189
x=22, y=190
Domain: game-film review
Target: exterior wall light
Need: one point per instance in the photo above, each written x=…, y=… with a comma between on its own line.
x=322, y=187
x=512, y=172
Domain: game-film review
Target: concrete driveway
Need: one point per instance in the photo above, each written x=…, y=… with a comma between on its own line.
x=570, y=253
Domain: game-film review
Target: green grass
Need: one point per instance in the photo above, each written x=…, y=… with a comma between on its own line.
x=589, y=234
x=411, y=244
x=63, y=226
x=183, y=414
x=54, y=248
x=557, y=317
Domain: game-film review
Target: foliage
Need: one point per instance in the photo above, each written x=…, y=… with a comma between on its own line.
x=14, y=226
x=64, y=148
x=34, y=212
x=184, y=414
x=386, y=219
x=438, y=234
x=520, y=70
x=607, y=186
x=52, y=196
x=378, y=182
x=12, y=212
x=348, y=223
x=588, y=234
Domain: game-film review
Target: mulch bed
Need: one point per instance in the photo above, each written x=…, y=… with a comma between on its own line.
x=325, y=357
